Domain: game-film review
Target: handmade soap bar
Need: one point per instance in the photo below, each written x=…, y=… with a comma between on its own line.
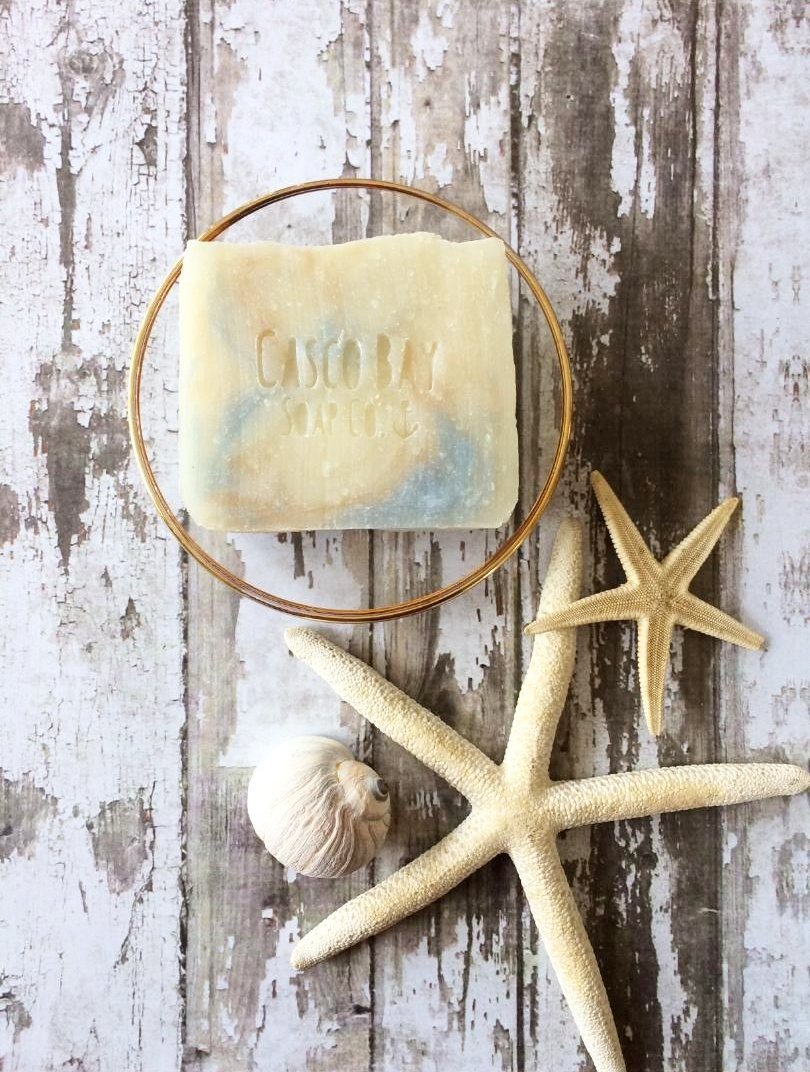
x=363, y=385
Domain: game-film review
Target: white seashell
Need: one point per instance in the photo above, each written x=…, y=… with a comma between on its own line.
x=317, y=809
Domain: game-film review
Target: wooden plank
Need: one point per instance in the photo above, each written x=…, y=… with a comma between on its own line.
x=444, y=981
x=615, y=197
x=91, y=115
x=257, y=131
x=763, y=147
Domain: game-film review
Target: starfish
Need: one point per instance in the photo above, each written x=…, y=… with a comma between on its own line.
x=655, y=595
x=515, y=807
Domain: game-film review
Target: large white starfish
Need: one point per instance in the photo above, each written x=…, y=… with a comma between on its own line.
x=516, y=808
x=656, y=595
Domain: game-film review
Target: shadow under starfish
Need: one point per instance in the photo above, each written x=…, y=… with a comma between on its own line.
x=515, y=807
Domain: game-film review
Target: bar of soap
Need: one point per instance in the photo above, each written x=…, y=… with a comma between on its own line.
x=363, y=385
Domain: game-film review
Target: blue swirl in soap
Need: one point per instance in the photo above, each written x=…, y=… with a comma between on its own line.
x=235, y=426
x=436, y=492
x=429, y=496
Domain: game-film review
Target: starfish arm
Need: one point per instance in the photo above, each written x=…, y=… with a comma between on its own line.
x=545, y=687
x=654, y=637
x=401, y=718
x=569, y=949
x=616, y=605
x=628, y=796
x=425, y=879
x=683, y=562
x=694, y=613
x=634, y=555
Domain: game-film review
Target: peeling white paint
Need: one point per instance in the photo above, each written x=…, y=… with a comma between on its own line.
x=439, y=164
x=398, y=124
x=677, y=1011
x=90, y=716
x=642, y=29
x=486, y=141
x=455, y=1014
x=624, y=163
x=764, y=695
x=297, y=116
x=429, y=45
x=285, y=999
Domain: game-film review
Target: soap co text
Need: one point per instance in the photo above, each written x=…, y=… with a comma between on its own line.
x=366, y=387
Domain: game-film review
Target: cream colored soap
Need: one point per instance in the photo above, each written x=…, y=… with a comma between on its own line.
x=364, y=385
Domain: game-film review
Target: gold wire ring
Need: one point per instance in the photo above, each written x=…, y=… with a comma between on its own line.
x=304, y=610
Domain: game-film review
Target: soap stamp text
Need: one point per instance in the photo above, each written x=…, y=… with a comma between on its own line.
x=366, y=387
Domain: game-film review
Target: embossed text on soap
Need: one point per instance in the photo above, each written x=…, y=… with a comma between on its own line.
x=369, y=387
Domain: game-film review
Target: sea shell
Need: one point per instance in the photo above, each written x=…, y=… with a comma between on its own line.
x=317, y=809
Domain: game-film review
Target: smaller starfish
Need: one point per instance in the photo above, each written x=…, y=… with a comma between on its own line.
x=515, y=807
x=656, y=595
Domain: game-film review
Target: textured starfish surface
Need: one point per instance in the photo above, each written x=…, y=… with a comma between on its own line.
x=655, y=595
x=516, y=808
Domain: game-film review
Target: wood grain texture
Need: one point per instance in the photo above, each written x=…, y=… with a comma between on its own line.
x=647, y=158
x=765, y=57
x=243, y=909
x=91, y=192
x=439, y=92
x=615, y=197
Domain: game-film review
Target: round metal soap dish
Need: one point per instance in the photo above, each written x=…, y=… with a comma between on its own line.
x=336, y=614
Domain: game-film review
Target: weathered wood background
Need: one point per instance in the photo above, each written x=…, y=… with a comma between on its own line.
x=649, y=160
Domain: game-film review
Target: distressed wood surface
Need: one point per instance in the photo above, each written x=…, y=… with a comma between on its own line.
x=648, y=161
x=91, y=195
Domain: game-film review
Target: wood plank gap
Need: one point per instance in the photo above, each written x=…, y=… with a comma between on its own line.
x=719, y=560
x=191, y=15
x=516, y=216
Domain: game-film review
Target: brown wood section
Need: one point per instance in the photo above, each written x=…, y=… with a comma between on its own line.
x=635, y=230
